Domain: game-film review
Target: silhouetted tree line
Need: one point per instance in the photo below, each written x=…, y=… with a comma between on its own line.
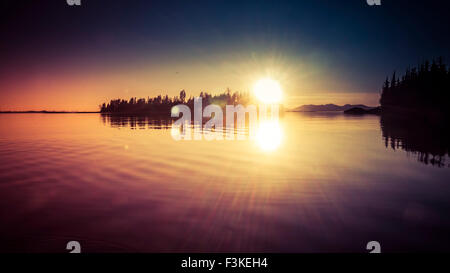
x=163, y=104
x=424, y=88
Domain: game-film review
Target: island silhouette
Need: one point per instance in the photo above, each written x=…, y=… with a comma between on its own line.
x=162, y=105
x=328, y=107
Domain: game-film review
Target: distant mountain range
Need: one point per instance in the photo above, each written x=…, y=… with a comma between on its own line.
x=328, y=107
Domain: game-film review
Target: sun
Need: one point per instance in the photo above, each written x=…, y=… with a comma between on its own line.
x=268, y=90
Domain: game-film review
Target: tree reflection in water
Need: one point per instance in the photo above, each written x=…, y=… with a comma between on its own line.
x=424, y=138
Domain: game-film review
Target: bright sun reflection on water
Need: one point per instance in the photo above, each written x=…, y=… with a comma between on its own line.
x=269, y=135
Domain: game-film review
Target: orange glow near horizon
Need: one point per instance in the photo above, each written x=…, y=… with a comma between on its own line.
x=83, y=90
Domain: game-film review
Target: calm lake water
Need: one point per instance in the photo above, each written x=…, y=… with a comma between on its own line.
x=327, y=183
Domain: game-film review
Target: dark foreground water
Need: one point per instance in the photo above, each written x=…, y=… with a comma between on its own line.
x=315, y=183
